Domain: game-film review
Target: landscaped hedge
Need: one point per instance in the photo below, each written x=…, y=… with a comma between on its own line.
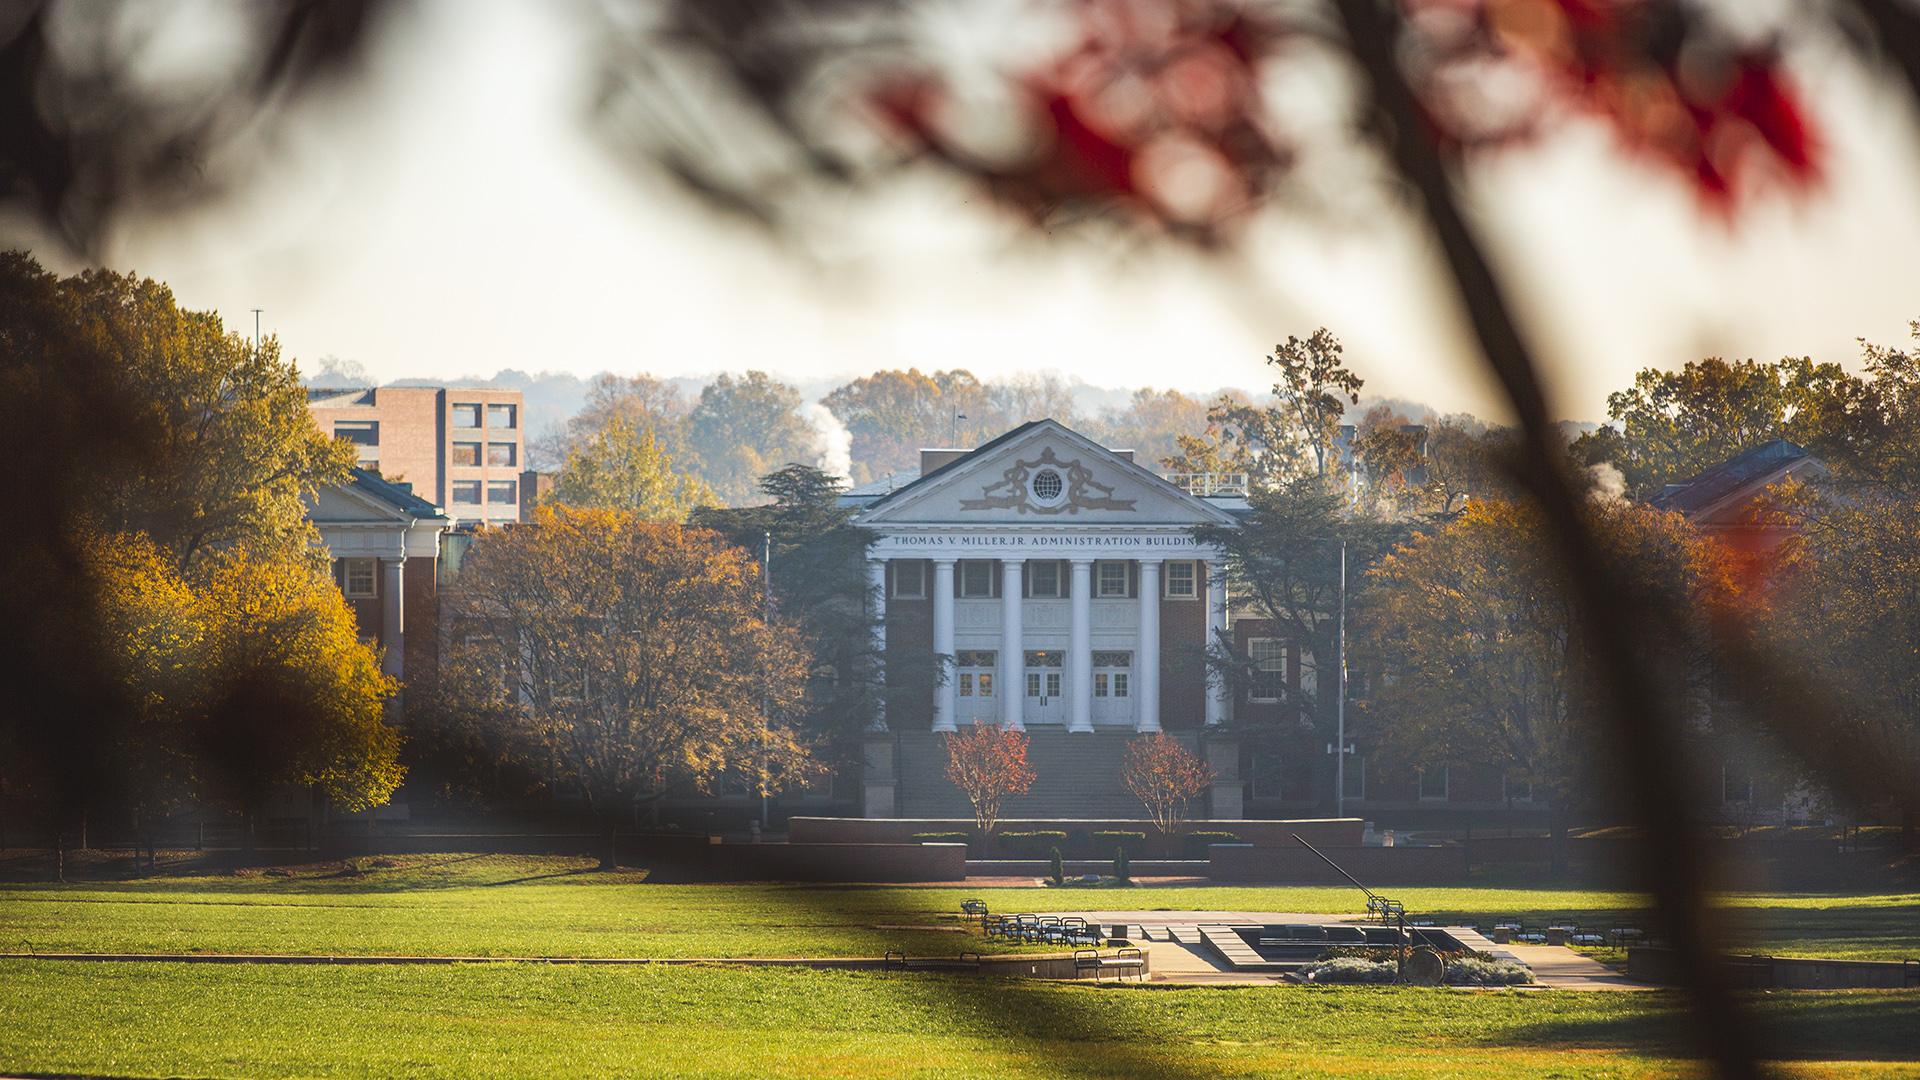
x=941, y=838
x=1104, y=843
x=1195, y=843
x=1039, y=843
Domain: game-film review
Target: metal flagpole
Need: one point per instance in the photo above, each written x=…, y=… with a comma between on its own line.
x=1340, y=690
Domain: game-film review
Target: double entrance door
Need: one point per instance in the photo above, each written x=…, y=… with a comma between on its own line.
x=1045, y=704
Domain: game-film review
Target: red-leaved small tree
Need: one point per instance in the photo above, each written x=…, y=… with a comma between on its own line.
x=989, y=763
x=1166, y=777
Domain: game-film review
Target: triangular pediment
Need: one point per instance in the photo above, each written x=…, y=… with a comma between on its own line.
x=1042, y=474
x=342, y=504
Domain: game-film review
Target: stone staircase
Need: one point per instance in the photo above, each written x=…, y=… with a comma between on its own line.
x=1076, y=776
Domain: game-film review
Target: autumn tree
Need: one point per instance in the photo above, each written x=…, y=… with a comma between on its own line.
x=1150, y=423
x=1475, y=630
x=1166, y=777
x=892, y=414
x=642, y=402
x=1848, y=605
x=621, y=467
x=744, y=427
x=989, y=763
x=293, y=697
x=1298, y=433
x=1671, y=425
x=638, y=654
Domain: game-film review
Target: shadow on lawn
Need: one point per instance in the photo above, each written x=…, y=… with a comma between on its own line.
x=1808, y=1025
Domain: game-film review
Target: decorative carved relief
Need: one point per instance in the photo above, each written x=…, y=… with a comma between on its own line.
x=1036, y=487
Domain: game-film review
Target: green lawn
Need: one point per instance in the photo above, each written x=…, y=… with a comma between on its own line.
x=143, y=1019
x=520, y=1020
x=513, y=905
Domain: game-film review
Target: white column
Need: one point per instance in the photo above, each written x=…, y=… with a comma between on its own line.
x=1216, y=626
x=1013, y=658
x=1080, y=648
x=1146, y=657
x=943, y=644
x=877, y=596
x=393, y=616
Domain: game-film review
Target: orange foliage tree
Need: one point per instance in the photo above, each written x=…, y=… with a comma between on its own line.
x=1165, y=776
x=989, y=763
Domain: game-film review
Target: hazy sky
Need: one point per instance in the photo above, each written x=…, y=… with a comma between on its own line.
x=451, y=216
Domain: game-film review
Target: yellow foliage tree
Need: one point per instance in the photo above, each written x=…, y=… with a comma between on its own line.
x=638, y=654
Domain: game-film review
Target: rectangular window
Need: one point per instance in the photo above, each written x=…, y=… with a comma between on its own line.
x=359, y=579
x=985, y=682
x=1433, y=784
x=503, y=454
x=1269, y=674
x=1112, y=658
x=966, y=684
x=503, y=492
x=909, y=578
x=1043, y=580
x=976, y=579
x=466, y=416
x=466, y=453
x=466, y=492
x=1119, y=684
x=502, y=416
x=358, y=432
x=1099, y=684
x=1182, y=580
x=1113, y=580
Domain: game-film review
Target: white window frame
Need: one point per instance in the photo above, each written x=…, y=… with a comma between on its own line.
x=1101, y=583
x=1446, y=785
x=1192, y=582
x=1254, y=647
x=1031, y=578
x=347, y=586
x=911, y=585
x=961, y=579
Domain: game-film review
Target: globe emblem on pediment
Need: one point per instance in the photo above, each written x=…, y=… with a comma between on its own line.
x=1047, y=485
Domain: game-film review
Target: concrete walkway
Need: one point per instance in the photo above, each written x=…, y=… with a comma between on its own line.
x=1562, y=968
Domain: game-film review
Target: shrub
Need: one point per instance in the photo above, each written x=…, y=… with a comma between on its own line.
x=1132, y=841
x=1352, y=969
x=1122, y=872
x=1196, y=843
x=1059, y=871
x=941, y=838
x=1483, y=971
x=1031, y=843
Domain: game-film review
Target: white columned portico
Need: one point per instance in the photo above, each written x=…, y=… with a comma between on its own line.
x=943, y=644
x=1216, y=626
x=877, y=596
x=1013, y=657
x=393, y=616
x=1147, y=663
x=1080, y=648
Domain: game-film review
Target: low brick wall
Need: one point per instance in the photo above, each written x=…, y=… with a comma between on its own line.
x=858, y=863
x=1372, y=865
x=1261, y=833
x=1039, y=868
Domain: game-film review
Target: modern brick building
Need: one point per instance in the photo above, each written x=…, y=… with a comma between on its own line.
x=461, y=449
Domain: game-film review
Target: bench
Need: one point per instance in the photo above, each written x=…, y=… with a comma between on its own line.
x=1122, y=963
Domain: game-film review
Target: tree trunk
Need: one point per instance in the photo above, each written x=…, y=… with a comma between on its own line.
x=1558, y=865
x=610, y=856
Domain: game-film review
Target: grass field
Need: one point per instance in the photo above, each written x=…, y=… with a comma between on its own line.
x=148, y=1019
x=524, y=906
x=517, y=1020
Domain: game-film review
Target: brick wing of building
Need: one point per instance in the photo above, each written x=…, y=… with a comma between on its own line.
x=1064, y=583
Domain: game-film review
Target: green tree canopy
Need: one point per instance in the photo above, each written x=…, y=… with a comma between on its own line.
x=745, y=427
x=620, y=467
